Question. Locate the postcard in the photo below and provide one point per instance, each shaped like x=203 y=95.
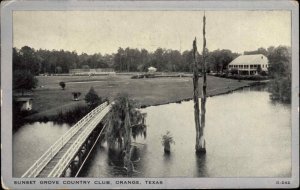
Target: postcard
x=149 y=94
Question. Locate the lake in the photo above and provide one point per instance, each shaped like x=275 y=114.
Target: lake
x=247 y=135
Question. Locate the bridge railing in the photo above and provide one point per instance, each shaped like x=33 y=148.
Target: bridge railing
x=36 y=168
x=71 y=152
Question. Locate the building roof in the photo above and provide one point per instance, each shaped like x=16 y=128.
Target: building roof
x=152 y=69
x=23 y=99
x=257 y=59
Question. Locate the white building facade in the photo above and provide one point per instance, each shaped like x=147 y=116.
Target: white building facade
x=152 y=69
x=25 y=103
x=249 y=64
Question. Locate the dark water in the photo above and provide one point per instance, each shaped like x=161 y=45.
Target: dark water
x=31 y=141
x=246 y=134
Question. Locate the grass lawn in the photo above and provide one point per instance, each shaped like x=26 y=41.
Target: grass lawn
x=49 y=98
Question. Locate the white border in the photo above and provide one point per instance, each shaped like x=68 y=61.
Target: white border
x=6 y=86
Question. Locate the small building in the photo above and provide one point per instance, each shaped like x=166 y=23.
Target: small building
x=25 y=103
x=152 y=69
x=249 y=64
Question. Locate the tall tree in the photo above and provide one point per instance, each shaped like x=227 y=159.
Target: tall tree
x=196 y=95
x=124 y=121
x=280 y=59
x=201 y=148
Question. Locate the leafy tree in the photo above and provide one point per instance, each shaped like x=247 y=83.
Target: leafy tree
x=219 y=59
x=62 y=85
x=92 y=98
x=23 y=80
x=124 y=121
x=29 y=60
x=116 y=121
x=280 y=71
x=280 y=61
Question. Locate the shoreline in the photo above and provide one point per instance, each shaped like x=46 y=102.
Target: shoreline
x=211 y=93
x=254 y=83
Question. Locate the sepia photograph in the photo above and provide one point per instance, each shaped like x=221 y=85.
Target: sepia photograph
x=132 y=95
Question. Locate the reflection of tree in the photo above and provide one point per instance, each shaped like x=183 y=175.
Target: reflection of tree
x=201 y=166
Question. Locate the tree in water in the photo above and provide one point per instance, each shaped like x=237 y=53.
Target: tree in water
x=200 y=142
x=201 y=148
x=124 y=121
x=196 y=95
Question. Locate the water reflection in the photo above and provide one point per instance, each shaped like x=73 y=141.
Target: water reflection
x=31 y=141
x=201 y=165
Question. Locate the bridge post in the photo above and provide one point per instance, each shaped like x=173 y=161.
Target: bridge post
x=80 y=156
x=73 y=168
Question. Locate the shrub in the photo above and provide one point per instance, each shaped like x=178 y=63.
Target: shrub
x=73 y=115
x=166 y=141
x=92 y=98
x=280 y=89
x=62 y=85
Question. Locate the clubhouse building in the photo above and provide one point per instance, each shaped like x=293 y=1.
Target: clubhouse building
x=249 y=64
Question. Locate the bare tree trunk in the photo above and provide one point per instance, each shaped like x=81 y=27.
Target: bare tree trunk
x=202 y=148
x=196 y=96
x=127 y=141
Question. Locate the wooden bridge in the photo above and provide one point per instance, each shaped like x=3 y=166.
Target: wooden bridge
x=72 y=149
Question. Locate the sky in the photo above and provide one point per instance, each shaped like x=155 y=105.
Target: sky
x=105 y=31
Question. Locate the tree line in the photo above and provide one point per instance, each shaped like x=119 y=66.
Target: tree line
x=124 y=60
x=135 y=60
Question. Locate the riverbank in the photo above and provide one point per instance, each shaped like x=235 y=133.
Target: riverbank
x=49 y=99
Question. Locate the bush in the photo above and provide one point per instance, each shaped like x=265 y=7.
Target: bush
x=147 y=75
x=166 y=141
x=280 y=89
x=137 y=76
x=234 y=71
x=62 y=85
x=243 y=77
x=92 y=98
